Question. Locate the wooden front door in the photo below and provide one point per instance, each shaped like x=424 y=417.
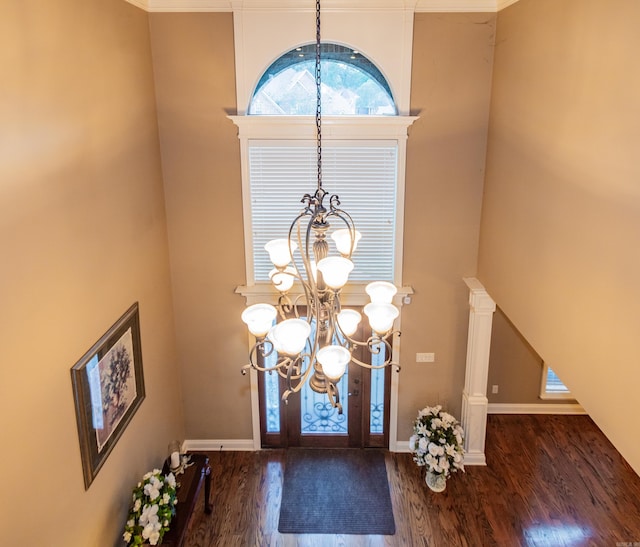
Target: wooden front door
x=309 y=420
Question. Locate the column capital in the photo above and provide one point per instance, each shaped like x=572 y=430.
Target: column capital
x=479 y=299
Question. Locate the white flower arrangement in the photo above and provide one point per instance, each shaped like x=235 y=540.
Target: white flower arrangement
x=437 y=442
x=154 y=505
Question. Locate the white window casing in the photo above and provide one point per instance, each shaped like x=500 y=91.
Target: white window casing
x=281 y=172
x=262 y=35
x=381 y=139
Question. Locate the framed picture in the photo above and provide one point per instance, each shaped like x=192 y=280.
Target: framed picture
x=108 y=389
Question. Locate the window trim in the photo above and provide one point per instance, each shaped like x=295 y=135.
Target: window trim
x=352 y=128
x=362 y=128
x=263 y=35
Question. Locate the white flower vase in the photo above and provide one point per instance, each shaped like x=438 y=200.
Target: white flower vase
x=436 y=481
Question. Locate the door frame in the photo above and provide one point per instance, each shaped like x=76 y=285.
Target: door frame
x=359 y=426
x=353 y=295
x=358 y=398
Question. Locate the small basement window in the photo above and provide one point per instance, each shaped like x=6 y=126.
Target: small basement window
x=551 y=386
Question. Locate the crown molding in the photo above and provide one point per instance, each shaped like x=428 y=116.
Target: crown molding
x=448 y=6
x=142 y=4
x=505 y=3
x=328 y=5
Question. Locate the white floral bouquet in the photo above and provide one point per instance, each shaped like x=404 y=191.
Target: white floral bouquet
x=437 y=441
x=154 y=505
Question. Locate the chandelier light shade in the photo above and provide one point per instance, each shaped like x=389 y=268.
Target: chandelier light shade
x=259 y=318
x=334 y=360
x=290 y=336
x=335 y=270
x=381 y=292
x=348 y=321
x=381 y=316
x=344 y=242
x=312 y=335
x=280 y=252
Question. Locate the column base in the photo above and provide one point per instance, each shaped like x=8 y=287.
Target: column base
x=474 y=422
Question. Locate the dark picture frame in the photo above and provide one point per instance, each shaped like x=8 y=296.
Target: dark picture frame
x=108 y=389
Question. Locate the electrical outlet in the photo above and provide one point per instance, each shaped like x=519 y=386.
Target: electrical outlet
x=494 y=389
x=425 y=357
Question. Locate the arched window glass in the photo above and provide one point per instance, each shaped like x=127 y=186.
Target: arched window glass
x=351 y=85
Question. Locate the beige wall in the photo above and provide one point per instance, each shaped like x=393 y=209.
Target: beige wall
x=451 y=76
x=514 y=366
x=561 y=217
x=195 y=86
x=193 y=61
x=83 y=236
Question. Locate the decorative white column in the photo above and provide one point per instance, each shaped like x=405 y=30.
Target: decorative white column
x=474 y=396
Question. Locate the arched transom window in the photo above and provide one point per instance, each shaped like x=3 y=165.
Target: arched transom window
x=351 y=84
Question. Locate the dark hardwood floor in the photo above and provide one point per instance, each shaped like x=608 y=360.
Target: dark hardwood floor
x=551 y=481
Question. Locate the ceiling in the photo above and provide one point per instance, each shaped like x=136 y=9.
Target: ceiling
x=327 y=5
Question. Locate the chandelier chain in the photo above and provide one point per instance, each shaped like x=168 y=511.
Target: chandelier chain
x=318 y=97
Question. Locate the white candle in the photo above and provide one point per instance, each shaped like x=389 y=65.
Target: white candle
x=175 y=460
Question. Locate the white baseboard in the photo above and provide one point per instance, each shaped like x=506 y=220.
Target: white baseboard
x=219 y=445
x=402 y=446
x=469 y=459
x=244 y=445
x=535 y=408
x=474 y=459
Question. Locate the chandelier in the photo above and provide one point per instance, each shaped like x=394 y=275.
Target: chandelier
x=313 y=337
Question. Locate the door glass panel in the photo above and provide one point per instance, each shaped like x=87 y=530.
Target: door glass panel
x=376 y=418
x=317 y=416
x=272 y=394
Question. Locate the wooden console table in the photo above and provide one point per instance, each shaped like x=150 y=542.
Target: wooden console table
x=190 y=485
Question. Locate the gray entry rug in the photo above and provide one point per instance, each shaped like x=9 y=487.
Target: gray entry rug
x=341 y=491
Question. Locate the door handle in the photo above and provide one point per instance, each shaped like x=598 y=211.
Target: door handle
x=354 y=393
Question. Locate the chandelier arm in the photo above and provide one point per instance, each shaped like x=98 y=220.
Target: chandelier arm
x=285 y=395
x=261 y=344
x=303 y=380
x=277 y=367
x=253 y=354
x=370 y=342
x=295 y=304
x=284 y=306
x=292 y=372
x=308 y=284
x=312 y=281
x=295 y=273
x=341 y=213
x=373 y=367
x=334 y=396
x=332 y=308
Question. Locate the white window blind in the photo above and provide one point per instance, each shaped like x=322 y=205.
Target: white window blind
x=554 y=384
x=362 y=175
x=551 y=387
